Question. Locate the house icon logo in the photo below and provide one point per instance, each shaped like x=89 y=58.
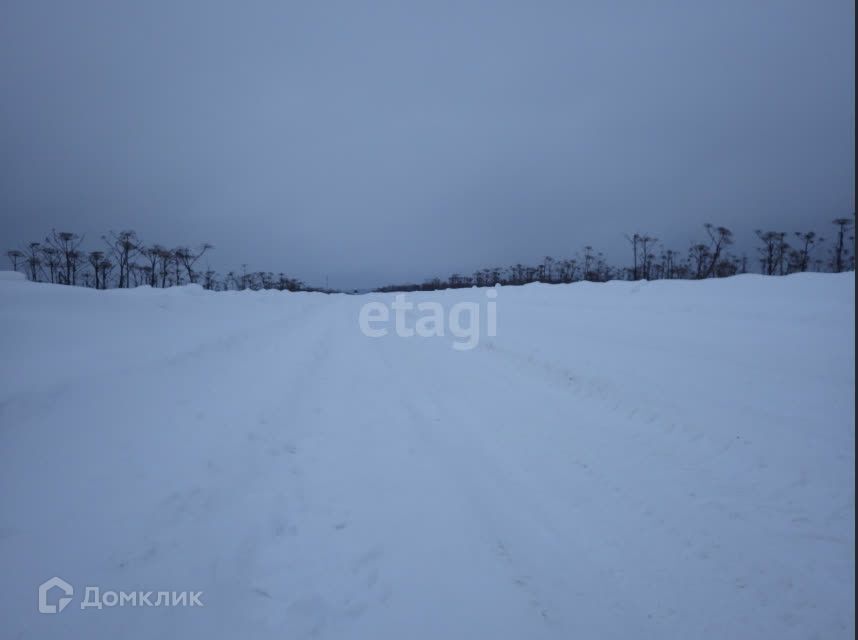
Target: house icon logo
x=44 y=590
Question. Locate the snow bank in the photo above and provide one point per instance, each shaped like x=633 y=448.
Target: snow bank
x=662 y=459
x=12 y=276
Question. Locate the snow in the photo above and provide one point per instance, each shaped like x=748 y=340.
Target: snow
x=14 y=276
x=629 y=459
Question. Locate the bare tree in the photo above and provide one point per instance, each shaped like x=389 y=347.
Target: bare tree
x=95 y=258
x=698 y=258
x=800 y=258
x=719 y=238
x=177 y=266
x=188 y=259
x=668 y=259
x=123 y=246
x=840 y=250
x=773 y=251
x=588 y=263
x=33 y=260
x=151 y=255
x=15 y=256
x=568 y=270
x=634 y=240
x=210 y=280
x=647 y=256
x=642 y=255
x=52 y=259
x=106 y=267
x=165 y=258
x=548 y=269
x=138 y=273
x=66 y=244
x=727 y=266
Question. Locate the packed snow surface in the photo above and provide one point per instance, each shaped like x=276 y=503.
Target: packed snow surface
x=622 y=460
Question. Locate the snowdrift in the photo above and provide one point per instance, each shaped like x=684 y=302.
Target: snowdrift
x=629 y=459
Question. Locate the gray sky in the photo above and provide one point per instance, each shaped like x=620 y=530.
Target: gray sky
x=380 y=142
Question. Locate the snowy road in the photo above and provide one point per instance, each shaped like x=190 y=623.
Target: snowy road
x=663 y=460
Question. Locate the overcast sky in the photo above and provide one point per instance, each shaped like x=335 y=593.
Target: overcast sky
x=373 y=142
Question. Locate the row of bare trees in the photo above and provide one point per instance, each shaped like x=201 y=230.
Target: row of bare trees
x=779 y=257
x=124 y=261
x=778 y=253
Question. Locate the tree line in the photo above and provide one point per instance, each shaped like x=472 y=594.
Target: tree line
x=778 y=253
x=125 y=261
